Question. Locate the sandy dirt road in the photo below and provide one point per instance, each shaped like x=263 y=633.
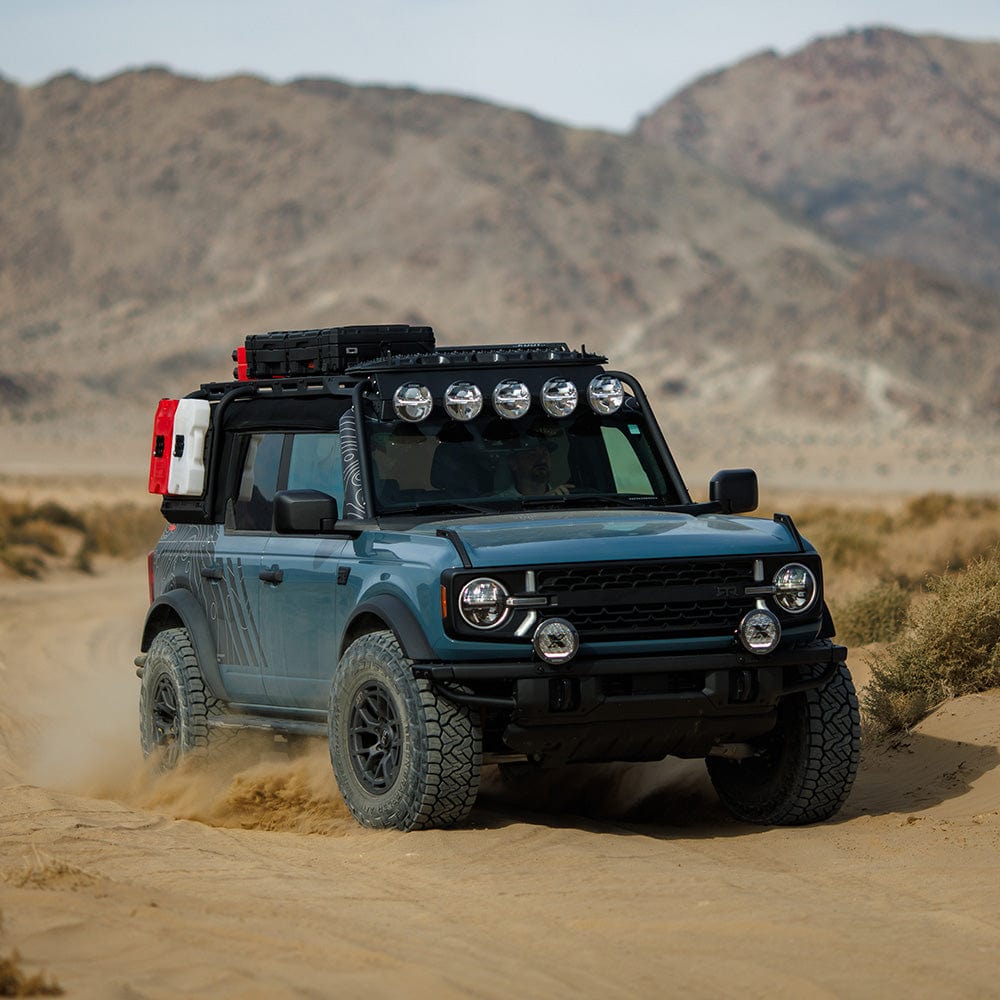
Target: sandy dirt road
x=251 y=880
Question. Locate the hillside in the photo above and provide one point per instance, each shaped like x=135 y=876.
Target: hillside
x=151 y=220
x=889 y=141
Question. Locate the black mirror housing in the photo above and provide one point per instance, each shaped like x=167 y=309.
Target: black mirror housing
x=304 y=512
x=734 y=490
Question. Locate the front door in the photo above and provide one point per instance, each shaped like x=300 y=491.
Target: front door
x=299 y=595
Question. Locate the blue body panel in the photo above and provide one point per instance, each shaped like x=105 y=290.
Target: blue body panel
x=279 y=644
x=557 y=537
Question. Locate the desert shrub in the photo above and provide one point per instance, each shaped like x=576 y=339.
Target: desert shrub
x=33 y=537
x=38 y=534
x=122 y=529
x=928 y=509
x=845 y=546
x=846 y=539
x=57 y=514
x=950 y=646
x=876 y=615
x=22 y=563
x=15 y=983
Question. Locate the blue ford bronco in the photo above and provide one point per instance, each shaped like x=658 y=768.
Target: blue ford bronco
x=437 y=558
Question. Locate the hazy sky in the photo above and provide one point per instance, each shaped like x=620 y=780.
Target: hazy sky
x=579 y=61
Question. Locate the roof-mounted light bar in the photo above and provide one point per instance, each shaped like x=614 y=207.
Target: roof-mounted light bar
x=511 y=399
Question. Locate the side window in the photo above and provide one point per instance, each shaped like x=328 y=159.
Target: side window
x=629 y=475
x=253 y=506
x=315 y=465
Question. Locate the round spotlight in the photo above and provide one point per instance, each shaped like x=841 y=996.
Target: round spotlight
x=511 y=399
x=463 y=401
x=482 y=603
x=412 y=402
x=605 y=394
x=556 y=641
x=559 y=397
x=794 y=588
x=760 y=631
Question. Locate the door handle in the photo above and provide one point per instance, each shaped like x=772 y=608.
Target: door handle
x=273 y=575
x=211 y=572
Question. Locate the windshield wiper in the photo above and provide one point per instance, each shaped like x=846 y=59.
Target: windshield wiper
x=603 y=500
x=438 y=507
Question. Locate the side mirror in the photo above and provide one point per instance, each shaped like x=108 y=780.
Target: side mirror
x=304 y=512
x=734 y=490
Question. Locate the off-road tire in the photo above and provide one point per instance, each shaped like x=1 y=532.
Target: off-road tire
x=174 y=703
x=806 y=765
x=415 y=759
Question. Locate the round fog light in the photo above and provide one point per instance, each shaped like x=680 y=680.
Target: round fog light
x=556 y=641
x=760 y=631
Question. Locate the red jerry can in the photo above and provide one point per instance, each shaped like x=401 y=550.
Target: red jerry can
x=163 y=439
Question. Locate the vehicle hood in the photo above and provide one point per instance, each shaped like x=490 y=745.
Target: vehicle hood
x=543 y=537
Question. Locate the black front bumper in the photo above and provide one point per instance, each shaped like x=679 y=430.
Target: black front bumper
x=635 y=707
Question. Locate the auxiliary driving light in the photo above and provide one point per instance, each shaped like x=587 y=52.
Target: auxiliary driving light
x=511 y=399
x=412 y=402
x=556 y=641
x=559 y=397
x=760 y=631
x=463 y=401
x=605 y=394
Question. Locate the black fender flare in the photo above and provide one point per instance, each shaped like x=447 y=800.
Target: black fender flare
x=402 y=622
x=182 y=604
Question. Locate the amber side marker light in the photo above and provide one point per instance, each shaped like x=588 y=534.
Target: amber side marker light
x=444 y=603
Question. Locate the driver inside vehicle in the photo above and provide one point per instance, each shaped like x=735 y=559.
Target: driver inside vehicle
x=531 y=468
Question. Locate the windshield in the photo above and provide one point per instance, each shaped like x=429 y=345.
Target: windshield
x=488 y=464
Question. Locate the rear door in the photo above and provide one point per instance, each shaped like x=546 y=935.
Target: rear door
x=232 y=579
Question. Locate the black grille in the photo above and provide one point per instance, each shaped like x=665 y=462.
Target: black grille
x=650 y=599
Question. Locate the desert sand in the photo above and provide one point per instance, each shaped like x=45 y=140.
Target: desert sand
x=250 y=879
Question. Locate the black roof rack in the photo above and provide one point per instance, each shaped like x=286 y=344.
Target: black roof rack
x=481 y=356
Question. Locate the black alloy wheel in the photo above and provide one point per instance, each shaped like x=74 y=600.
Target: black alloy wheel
x=375 y=738
x=166 y=719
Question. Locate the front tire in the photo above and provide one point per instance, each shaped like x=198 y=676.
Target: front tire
x=174 y=703
x=805 y=766
x=404 y=757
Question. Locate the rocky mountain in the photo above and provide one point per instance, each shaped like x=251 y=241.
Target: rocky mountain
x=888 y=141
x=149 y=221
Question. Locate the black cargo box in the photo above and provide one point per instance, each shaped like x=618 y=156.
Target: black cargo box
x=330 y=351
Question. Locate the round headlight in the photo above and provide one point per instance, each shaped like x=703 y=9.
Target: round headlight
x=412 y=402
x=463 y=400
x=605 y=394
x=511 y=399
x=559 y=397
x=794 y=588
x=556 y=641
x=760 y=631
x=482 y=603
